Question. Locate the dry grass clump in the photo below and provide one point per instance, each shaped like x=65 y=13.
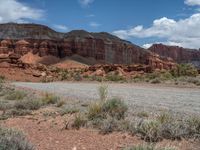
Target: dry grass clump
x=79 y=121
x=114 y=78
x=16 y=103
x=28 y=104
x=114 y=108
x=103 y=92
x=146 y=147
x=11 y=139
x=16 y=95
x=50 y=99
x=68 y=110
x=106 y=114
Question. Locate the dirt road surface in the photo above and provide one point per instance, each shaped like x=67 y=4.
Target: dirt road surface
x=147 y=97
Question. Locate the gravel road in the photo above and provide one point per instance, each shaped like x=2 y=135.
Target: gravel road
x=151 y=97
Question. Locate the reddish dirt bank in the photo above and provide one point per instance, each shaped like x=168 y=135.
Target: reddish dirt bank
x=47 y=133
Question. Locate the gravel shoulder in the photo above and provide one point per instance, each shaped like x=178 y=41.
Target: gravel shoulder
x=138 y=97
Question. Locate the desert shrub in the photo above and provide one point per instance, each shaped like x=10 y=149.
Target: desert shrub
x=146 y=147
x=139 y=78
x=77 y=77
x=158 y=76
x=107 y=114
x=193 y=80
x=115 y=108
x=173 y=131
x=143 y=114
x=46 y=79
x=68 y=110
x=1 y=88
x=16 y=95
x=96 y=78
x=64 y=75
x=164 y=117
x=28 y=104
x=4 y=105
x=149 y=130
x=166 y=126
x=156 y=81
x=60 y=103
x=114 y=77
x=184 y=70
x=194 y=127
x=11 y=139
x=103 y=92
x=2 y=78
x=79 y=121
x=166 y=75
x=16 y=112
x=95 y=110
x=49 y=99
x=153 y=75
x=108 y=125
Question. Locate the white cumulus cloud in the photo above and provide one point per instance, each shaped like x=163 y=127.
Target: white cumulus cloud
x=15 y=11
x=183 y=32
x=192 y=2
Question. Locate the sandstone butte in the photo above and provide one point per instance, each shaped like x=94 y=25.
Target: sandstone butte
x=17 y=40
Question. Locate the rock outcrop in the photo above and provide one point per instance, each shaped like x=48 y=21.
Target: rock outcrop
x=104 y=47
x=178 y=54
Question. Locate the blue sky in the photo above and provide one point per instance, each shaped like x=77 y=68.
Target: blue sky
x=143 y=22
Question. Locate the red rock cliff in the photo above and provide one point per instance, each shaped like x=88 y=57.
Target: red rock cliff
x=179 y=54
x=104 y=47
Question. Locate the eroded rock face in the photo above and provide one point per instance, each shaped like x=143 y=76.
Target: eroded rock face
x=179 y=54
x=104 y=47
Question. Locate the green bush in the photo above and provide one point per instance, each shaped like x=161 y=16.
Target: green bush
x=11 y=139
x=184 y=70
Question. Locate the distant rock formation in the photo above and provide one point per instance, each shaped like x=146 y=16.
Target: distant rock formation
x=178 y=54
x=104 y=47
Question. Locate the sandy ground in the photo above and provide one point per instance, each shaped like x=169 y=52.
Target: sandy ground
x=137 y=96
x=48 y=133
